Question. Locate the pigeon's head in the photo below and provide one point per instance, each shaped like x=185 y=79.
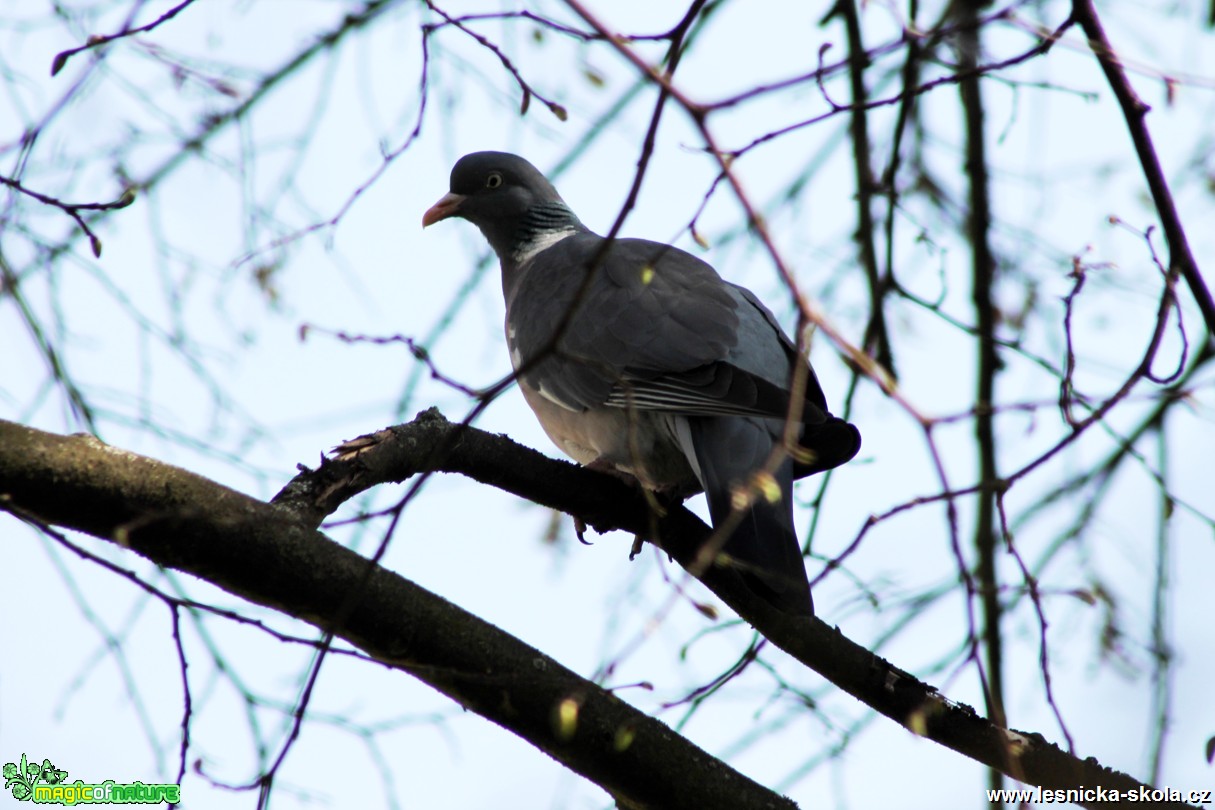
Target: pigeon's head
x=495 y=191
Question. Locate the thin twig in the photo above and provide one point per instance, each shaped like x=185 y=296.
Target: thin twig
x=97 y=40
x=1135 y=111
x=73 y=209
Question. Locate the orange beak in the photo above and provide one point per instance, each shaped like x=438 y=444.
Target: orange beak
x=447 y=206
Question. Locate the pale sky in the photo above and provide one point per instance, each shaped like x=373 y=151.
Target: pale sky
x=1061 y=161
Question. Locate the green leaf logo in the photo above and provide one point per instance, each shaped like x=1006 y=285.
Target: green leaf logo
x=21 y=779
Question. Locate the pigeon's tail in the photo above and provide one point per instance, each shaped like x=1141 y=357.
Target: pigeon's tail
x=830 y=444
x=763 y=545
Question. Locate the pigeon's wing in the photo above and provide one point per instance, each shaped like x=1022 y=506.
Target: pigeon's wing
x=636 y=324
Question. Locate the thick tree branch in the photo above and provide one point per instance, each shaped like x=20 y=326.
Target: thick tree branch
x=604 y=502
x=270 y=555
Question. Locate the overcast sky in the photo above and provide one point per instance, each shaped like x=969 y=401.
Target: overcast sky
x=212 y=375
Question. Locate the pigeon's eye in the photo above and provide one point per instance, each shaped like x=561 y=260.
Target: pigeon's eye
x=494 y=180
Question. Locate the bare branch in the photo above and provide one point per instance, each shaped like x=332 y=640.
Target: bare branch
x=607 y=503
x=73 y=209
x=1135 y=111
x=266 y=555
x=97 y=40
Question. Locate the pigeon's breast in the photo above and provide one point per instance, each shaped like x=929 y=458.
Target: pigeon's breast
x=641 y=444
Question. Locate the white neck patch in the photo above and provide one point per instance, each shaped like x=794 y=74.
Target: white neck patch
x=541 y=243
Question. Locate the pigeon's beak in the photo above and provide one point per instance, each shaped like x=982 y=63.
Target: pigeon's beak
x=447 y=206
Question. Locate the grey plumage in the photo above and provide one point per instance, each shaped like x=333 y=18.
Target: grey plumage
x=638 y=357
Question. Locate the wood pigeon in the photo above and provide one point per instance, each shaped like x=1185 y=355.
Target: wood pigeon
x=639 y=359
